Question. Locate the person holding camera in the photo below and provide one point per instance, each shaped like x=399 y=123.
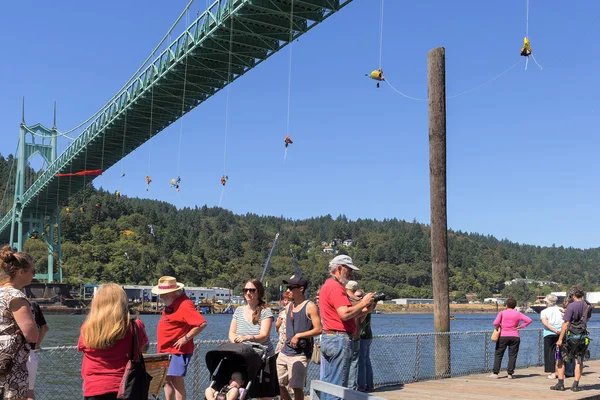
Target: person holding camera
x=351 y=288
x=339 y=322
x=302 y=324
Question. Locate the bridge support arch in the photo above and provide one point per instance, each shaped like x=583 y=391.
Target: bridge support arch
x=36 y=139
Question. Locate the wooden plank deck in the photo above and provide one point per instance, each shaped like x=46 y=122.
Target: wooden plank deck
x=530 y=383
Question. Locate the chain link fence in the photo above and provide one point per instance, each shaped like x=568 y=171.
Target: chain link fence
x=396 y=359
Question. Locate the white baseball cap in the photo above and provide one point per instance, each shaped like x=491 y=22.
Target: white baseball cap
x=343 y=260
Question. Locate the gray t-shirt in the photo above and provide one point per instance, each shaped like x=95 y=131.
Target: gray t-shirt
x=246 y=328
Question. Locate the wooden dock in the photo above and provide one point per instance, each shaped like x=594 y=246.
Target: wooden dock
x=530 y=383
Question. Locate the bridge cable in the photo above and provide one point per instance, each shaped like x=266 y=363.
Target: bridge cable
x=229 y=79
x=165 y=37
x=10 y=172
x=291 y=40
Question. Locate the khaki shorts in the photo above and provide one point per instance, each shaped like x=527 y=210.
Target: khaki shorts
x=291 y=370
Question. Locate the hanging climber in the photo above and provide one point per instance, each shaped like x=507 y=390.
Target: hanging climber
x=67 y=210
x=287 y=141
x=148 y=181
x=526 y=49
x=98 y=207
x=117 y=194
x=175 y=182
x=376 y=74
x=224 y=179
x=123 y=175
x=82 y=209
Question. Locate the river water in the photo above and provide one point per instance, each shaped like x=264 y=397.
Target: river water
x=64 y=329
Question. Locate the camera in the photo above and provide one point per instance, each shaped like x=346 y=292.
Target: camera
x=303 y=343
x=379 y=297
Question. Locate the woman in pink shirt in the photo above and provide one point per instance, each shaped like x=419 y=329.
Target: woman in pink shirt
x=508 y=320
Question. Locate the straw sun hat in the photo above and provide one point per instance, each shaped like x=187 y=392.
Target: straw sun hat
x=167 y=284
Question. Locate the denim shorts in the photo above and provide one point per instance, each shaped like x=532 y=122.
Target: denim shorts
x=179 y=364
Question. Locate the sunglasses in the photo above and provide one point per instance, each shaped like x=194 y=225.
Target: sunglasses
x=249 y=290
x=292 y=287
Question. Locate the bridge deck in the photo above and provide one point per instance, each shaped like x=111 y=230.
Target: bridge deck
x=530 y=383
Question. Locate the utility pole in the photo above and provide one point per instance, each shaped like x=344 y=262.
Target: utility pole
x=436 y=71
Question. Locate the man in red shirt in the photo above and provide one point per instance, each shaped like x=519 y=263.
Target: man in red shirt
x=338 y=316
x=179 y=323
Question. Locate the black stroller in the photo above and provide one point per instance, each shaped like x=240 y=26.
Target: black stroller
x=236 y=357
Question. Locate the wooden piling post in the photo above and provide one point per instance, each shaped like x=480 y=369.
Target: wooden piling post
x=436 y=71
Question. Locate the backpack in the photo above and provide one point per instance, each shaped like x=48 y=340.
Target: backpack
x=579 y=328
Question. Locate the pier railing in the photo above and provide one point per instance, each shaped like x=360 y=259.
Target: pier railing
x=396 y=359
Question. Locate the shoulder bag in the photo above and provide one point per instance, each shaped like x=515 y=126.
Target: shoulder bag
x=135 y=383
x=496 y=333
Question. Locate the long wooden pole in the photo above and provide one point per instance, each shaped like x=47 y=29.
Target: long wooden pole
x=436 y=70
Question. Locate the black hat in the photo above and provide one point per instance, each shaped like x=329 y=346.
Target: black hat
x=297 y=280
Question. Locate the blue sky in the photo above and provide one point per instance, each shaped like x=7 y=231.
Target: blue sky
x=522 y=150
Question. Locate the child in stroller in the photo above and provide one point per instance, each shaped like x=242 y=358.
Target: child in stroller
x=233 y=391
x=232 y=365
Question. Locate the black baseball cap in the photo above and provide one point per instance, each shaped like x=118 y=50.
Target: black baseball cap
x=297 y=280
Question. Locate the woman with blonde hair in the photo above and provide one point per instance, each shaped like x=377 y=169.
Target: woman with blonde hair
x=17 y=326
x=106 y=339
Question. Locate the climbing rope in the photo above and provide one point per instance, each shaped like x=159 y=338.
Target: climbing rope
x=150 y=133
x=402 y=94
x=289 y=97
x=485 y=83
x=526 y=18
x=229 y=79
x=123 y=145
x=381 y=35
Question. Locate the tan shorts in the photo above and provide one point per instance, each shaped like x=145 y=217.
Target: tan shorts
x=291 y=370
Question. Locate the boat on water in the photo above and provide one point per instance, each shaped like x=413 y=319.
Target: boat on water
x=540 y=303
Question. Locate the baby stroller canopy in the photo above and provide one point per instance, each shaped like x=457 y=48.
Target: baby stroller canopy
x=234 y=357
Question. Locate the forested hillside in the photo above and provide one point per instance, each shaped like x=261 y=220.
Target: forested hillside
x=214 y=247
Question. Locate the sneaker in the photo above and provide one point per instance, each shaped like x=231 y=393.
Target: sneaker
x=553 y=376
x=511 y=377
x=493 y=376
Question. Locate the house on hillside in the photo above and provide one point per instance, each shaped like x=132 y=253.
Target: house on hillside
x=348 y=243
x=328 y=250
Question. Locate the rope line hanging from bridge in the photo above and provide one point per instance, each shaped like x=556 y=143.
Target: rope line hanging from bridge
x=123 y=145
x=225 y=177
x=526 y=49
x=176 y=182
x=148 y=171
x=287 y=139
x=377 y=74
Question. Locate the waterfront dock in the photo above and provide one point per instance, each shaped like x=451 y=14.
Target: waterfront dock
x=530 y=383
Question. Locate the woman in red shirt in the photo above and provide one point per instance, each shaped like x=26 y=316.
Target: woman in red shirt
x=105 y=340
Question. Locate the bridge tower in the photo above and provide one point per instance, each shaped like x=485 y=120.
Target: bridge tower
x=36 y=139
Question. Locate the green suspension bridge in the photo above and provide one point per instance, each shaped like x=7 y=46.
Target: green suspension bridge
x=223 y=43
